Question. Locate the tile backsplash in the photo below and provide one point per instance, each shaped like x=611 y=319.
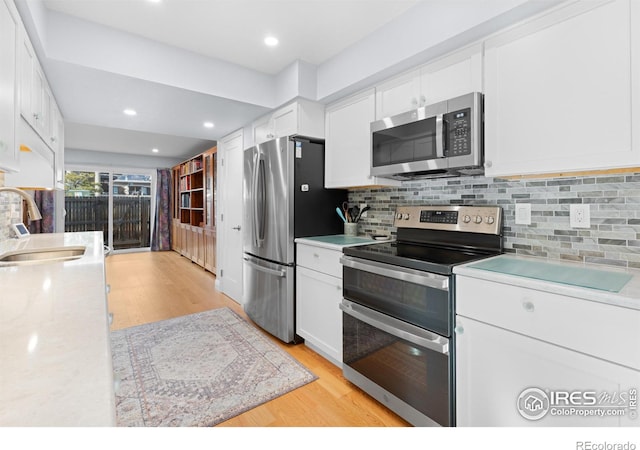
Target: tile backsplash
x=614 y=200
x=10 y=207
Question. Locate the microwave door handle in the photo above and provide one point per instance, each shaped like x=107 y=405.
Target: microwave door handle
x=440 y=136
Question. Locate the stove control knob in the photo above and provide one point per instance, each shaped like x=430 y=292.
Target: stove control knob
x=466 y=219
x=477 y=219
x=405 y=216
x=489 y=220
x=398 y=216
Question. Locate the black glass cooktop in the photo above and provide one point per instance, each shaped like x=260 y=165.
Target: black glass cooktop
x=427 y=258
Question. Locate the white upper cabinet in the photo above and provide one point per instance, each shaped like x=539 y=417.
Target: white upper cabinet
x=398 y=95
x=348 y=142
x=57 y=144
x=561 y=90
x=29 y=116
x=302 y=117
x=9 y=38
x=456 y=74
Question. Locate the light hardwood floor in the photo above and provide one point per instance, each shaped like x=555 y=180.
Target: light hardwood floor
x=152 y=286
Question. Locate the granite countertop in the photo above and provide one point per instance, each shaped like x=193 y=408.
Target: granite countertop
x=55 y=350
x=336 y=241
x=610 y=285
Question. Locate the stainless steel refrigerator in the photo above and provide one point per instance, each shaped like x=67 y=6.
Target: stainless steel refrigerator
x=284 y=198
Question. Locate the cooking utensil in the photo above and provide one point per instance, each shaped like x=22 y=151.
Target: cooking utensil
x=354 y=212
x=360 y=213
x=345 y=211
x=339 y=211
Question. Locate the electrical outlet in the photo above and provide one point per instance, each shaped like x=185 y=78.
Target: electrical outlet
x=580 y=216
x=523 y=213
x=363 y=206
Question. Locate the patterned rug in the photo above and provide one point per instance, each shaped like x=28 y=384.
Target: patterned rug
x=198 y=370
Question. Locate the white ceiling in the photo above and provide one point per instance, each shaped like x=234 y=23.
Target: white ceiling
x=233 y=30
x=182 y=62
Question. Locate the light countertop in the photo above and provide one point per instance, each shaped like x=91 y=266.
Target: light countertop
x=336 y=241
x=628 y=296
x=55 y=349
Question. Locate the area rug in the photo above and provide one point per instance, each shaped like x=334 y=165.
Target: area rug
x=198 y=370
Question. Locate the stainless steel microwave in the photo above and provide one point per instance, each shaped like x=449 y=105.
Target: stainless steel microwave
x=438 y=140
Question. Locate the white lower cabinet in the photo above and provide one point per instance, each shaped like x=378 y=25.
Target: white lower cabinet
x=318 y=296
x=495 y=366
x=531 y=358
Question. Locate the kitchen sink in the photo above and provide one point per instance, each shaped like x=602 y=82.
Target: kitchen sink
x=41 y=256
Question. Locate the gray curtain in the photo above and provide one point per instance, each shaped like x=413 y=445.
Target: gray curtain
x=161 y=237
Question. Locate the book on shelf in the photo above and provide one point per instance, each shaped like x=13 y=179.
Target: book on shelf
x=191 y=166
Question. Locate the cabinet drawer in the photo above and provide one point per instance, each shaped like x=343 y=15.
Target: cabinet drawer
x=605 y=331
x=320 y=259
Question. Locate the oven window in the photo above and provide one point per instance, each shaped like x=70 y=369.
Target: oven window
x=416 y=375
x=415 y=141
x=419 y=305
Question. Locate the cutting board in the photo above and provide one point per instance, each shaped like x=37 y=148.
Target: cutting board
x=557 y=273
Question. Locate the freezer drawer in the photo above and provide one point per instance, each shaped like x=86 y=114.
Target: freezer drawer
x=269 y=296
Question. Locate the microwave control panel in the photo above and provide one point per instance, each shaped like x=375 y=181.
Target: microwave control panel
x=459 y=133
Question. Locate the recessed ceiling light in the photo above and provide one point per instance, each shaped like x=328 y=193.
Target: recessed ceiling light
x=208 y=124
x=155 y=150
x=130 y=112
x=154 y=1
x=271 y=41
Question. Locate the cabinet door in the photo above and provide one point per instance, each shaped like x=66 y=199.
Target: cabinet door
x=197 y=253
x=285 y=121
x=175 y=235
x=348 y=143
x=38 y=98
x=263 y=130
x=9 y=156
x=495 y=366
x=57 y=142
x=210 y=250
x=185 y=231
x=318 y=316
x=560 y=92
x=27 y=62
x=452 y=76
x=398 y=95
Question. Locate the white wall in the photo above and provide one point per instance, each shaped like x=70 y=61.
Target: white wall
x=92 y=158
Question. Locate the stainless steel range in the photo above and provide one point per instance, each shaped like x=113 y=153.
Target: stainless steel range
x=399 y=307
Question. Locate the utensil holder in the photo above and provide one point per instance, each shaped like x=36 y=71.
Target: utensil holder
x=351 y=228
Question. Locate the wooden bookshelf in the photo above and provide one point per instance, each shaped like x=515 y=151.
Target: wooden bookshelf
x=194 y=200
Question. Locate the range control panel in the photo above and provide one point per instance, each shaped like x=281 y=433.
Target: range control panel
x=475 y=219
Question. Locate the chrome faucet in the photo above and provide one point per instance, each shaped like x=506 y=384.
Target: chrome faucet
x=32 y=208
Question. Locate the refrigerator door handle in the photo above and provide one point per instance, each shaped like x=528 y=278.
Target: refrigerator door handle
x=261 y=209
x=254 y=199
x=276 y=273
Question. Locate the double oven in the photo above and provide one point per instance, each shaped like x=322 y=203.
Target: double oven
x=399 y=307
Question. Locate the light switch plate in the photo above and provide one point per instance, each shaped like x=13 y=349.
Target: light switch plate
x=523 y=213
x=580 y=215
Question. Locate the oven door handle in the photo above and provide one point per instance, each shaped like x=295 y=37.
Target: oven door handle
x=398 y=273
x=397 y=328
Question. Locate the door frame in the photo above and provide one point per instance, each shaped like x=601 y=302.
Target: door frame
x=229 y=185
x=123 y=170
